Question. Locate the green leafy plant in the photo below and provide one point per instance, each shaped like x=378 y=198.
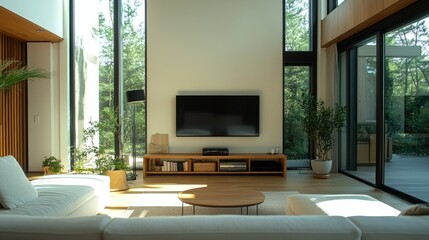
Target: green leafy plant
x=12 y=73
x=54 y=165
x=320 y=122
x=88 y=151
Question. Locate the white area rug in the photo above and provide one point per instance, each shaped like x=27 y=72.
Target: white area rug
x=168 y=204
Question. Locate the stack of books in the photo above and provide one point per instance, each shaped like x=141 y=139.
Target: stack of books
x=174 y=166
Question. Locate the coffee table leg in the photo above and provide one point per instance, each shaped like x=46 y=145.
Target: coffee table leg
x=193 y=209
x=182 y=208
x=257 y=210
x=247 y=210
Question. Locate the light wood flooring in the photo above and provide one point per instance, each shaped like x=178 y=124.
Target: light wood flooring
x=301 y=181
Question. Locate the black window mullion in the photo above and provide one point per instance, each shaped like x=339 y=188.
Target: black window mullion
x=332 y=4
x=379 y=176
x=352 y=57
x=117 y=65
x=72 y=85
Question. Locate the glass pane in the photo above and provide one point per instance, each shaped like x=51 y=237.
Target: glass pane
x=93 y=67
x=297 y=25
x=407 y=109
x=104 y=36
x=363 y=68
x=296 y=84
x=133 y=75
x=366 y=111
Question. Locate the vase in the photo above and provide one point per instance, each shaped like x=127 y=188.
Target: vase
x=118 y=180
x=321 y=168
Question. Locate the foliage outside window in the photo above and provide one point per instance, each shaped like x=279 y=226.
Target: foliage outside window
x=407 y=87
x=296 y=85
x=297 y=25
x=96 y=84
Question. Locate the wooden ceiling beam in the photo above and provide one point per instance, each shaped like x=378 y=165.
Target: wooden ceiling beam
x=22 y=29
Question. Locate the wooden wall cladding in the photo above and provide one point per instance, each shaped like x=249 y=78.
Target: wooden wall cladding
x=13 y=106
x=352 y=16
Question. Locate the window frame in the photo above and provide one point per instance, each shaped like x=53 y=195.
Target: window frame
x=303 y=58
x=118 y=64
x=407 y=15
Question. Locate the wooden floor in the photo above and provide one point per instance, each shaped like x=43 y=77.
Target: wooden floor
x=302 y=182
x=408 y=174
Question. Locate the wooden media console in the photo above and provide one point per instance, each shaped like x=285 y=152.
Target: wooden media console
x=188 y=163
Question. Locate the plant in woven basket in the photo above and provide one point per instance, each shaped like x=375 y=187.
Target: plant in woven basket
x=52 y=165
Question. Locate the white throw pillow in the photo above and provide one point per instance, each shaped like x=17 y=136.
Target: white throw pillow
x=15 y=188
x=416 y=210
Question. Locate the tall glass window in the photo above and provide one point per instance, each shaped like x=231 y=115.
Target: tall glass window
x=362 y=81
x=297 y=25
x=299 y=76
x=407 y=108
x=296 y=84
x=102 y=74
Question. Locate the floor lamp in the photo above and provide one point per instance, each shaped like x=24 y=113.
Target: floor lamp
x=134 y=97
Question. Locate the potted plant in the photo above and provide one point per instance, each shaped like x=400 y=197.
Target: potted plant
x=320 y=122
x=88 y=156
x=51 y=165
x=12 y=73
x=117 y=173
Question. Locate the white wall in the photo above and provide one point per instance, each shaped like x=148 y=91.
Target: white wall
x=45 y=13
x=48 y=105
x=215 y=46
x=42 y=105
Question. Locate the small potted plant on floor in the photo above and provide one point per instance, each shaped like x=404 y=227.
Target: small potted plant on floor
x=319 y=123
x=117 y=173
x=51 y=165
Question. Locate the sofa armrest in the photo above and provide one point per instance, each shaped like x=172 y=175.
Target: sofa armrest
x=50 y=228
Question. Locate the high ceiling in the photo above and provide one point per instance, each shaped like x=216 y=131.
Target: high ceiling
x=22 y=29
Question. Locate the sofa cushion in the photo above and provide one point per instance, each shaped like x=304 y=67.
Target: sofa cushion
x=100 y=184
x=54 y=201
x=392 y=228
x=337 y=205
x=232 y=227
x=52 y=228
x=416 y=210
x=15 y=188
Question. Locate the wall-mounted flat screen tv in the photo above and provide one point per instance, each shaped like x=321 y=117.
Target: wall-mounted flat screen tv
x=217 y=115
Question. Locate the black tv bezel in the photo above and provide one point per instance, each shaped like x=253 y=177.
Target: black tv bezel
x=257 y=134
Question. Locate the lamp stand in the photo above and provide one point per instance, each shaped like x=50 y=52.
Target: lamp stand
x=134 y=176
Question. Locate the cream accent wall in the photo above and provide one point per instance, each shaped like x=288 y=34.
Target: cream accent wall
x=43 y=95
x=48 y=105
x=215 y=47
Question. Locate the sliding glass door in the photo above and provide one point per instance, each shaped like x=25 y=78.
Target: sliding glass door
x=361 y=102
x=407 y=108
x=385 y=84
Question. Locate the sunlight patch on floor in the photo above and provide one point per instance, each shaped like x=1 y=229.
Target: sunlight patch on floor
x=165 y=187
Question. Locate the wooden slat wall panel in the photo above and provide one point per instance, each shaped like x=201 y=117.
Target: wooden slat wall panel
x=13 y=119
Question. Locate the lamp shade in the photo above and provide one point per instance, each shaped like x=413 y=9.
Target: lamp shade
x=135 y=96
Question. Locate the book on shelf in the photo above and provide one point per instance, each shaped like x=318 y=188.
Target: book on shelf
x=174 y=166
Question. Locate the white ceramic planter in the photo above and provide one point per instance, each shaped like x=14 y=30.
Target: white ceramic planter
x=321 y=167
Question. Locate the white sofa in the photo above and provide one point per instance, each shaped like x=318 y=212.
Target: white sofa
x=60 y=207
x=53 y=195
x=214 y=227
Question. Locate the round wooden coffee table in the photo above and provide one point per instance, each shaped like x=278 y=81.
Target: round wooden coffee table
x=221 y=197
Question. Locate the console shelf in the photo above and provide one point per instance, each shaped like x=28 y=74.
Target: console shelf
x=189 y=163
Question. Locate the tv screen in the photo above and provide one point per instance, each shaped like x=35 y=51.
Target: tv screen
x=217 y=116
